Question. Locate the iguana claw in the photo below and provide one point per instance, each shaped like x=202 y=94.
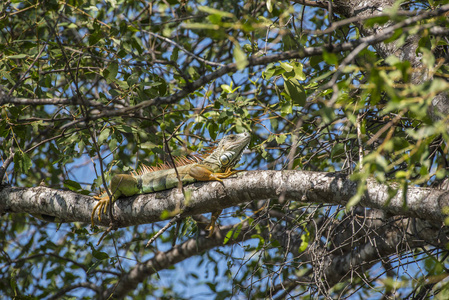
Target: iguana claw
x=213 y=221
x=103 y=202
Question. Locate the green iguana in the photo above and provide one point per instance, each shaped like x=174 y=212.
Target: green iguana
x=216 y=166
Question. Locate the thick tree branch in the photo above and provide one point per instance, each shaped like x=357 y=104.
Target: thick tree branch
x=308 y=187
x=46 y=101
x=321 y=4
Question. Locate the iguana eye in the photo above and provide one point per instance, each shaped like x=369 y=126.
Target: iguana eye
x=225 y=159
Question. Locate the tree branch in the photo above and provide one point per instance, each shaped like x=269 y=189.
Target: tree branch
x=308 y=187
x=163 y=260
x=320 y=4
x=330 y=266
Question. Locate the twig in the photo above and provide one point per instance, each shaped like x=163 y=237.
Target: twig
x=343 y=64
x=163 y=229
x=5 y=165
x=359 y=139
x=330 y=12
x=211 y=63
x=383 y=129
x=26 y=72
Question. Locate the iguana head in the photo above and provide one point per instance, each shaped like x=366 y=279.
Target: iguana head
x=229 y=150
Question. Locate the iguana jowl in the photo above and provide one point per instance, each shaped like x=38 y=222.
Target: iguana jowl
x=216 y=166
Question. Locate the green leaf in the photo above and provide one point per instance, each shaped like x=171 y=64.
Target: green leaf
x=126 y=128
x=133 y=79
x=228 y=236
x=17 y=56
x=13 y=280
x=315 y=60
x=94 y=37
x=330 y=58
x=281 y=138
x=271 y=71
x=377 y=21
x=304 y=242
x=427 y=57
x=22 y=162
x=226 y=88
x=72 y=185
x=240 y=58
x=215 y=19
x=269 y=6
x=287 y=108
x=328 y=114
x=213 y=130
x=286 y=66
x=99 y=254
x=214 y=11
x=122 y=84
x=396 y=34
x=104 y=135
x=201 y=26
x=299 y=74
x=111 y=71
x=187 y=196
x=113 y=143
x=337 y=150
x=234 y=233
x=148 y=146
x=296 y=92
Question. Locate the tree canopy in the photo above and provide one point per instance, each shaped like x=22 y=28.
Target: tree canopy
x=344 y=191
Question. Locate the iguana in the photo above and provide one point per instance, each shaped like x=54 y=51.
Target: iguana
x=216 y=166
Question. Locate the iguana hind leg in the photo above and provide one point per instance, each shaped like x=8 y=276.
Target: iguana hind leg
x=213 y=221
x=121 y=184
x=103 y=202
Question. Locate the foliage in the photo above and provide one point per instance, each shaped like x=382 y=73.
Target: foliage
x=100 y=87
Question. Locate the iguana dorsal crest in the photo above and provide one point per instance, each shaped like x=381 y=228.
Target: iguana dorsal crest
x=178 y=160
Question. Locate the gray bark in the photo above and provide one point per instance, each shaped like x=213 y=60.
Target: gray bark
x=306 y=187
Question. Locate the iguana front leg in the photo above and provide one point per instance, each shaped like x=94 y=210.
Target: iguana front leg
x=203 y=174
x=121 y=184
